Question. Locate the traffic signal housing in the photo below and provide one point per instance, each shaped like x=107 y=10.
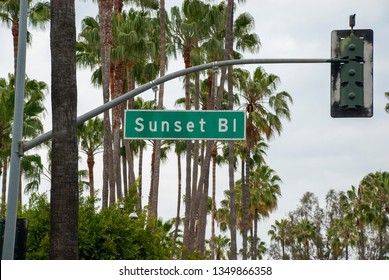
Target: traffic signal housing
x=352 y=77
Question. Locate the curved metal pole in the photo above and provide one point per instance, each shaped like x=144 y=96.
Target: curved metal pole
x=97 y=111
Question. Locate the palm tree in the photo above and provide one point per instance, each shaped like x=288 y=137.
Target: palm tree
x=265 y=108
x=34 y=110
x=187 y=28
x=304 y=232
x=6 y=116
x=238 y=31
x=157 y=144
x=134 y=46
x=264 y=190
x=32 y=125
x=278 y=233
x=64 y=172
x=221 y=244
x=91 y=54
x=90 y=136
x=376 y=197
x=38 y=16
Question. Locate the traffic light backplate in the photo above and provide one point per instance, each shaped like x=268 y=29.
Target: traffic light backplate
x=352 y=79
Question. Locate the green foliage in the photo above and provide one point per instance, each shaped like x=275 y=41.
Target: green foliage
x=109 y=234
x=38 y=215
x=113 y=235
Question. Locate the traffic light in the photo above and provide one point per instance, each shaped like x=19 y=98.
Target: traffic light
x=352 y=78
x=20 y=238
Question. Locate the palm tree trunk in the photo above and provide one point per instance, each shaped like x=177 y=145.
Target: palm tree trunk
x=255 y=238
x=197 y=214
x=361 y=242
x=232 y=203
x=105 y=21
x=188 y=200
x=15 y=36
x=118 y=91
x=91 y=163
x=140 y=174
x=203 y=210
x=64 y=185
x=214 y=154
x=231 y=163
x=227 y=54
x=179 y=186
x=198 y=202
x=124 y=170
x=245 y=204
x=154 y=188
x=188 y=226
x=157 y=144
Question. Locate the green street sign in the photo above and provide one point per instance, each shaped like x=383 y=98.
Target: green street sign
x=189 y=125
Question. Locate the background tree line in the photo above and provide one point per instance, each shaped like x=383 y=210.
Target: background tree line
x=352 y=225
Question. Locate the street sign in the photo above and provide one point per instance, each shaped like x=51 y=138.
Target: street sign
x=180 y=125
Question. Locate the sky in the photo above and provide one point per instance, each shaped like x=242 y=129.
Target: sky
x=315 y=152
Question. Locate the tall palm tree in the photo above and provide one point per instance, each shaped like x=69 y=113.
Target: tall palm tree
x=64 y=172
x=38 y=16
x=265 y=107
x=228 y=51
x=157 y=144
x=237 y=32
x=187 y=29
x=376 y=197
x=32 y=125
x=90 y=136
x=264 y=191
x=134 y=46
x=105 y=36
x=91 y=54
x=278 y=233
x=6 y=116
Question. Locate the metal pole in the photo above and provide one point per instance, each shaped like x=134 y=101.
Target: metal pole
x=97 y=111
x=17 y=134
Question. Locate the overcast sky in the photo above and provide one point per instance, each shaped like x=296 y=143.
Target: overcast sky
x=314 y=152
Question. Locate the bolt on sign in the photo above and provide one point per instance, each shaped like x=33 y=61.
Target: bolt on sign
x=184 y=125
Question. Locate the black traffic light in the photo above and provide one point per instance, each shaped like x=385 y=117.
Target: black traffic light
x=352 y=79
x=20 y=238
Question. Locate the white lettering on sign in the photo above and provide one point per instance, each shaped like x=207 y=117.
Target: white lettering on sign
x=202 y=122
x=165 y=125
x=138 y=122
x=190 y=126
x=223 y=125
x=178 y=128
x=153 y=129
